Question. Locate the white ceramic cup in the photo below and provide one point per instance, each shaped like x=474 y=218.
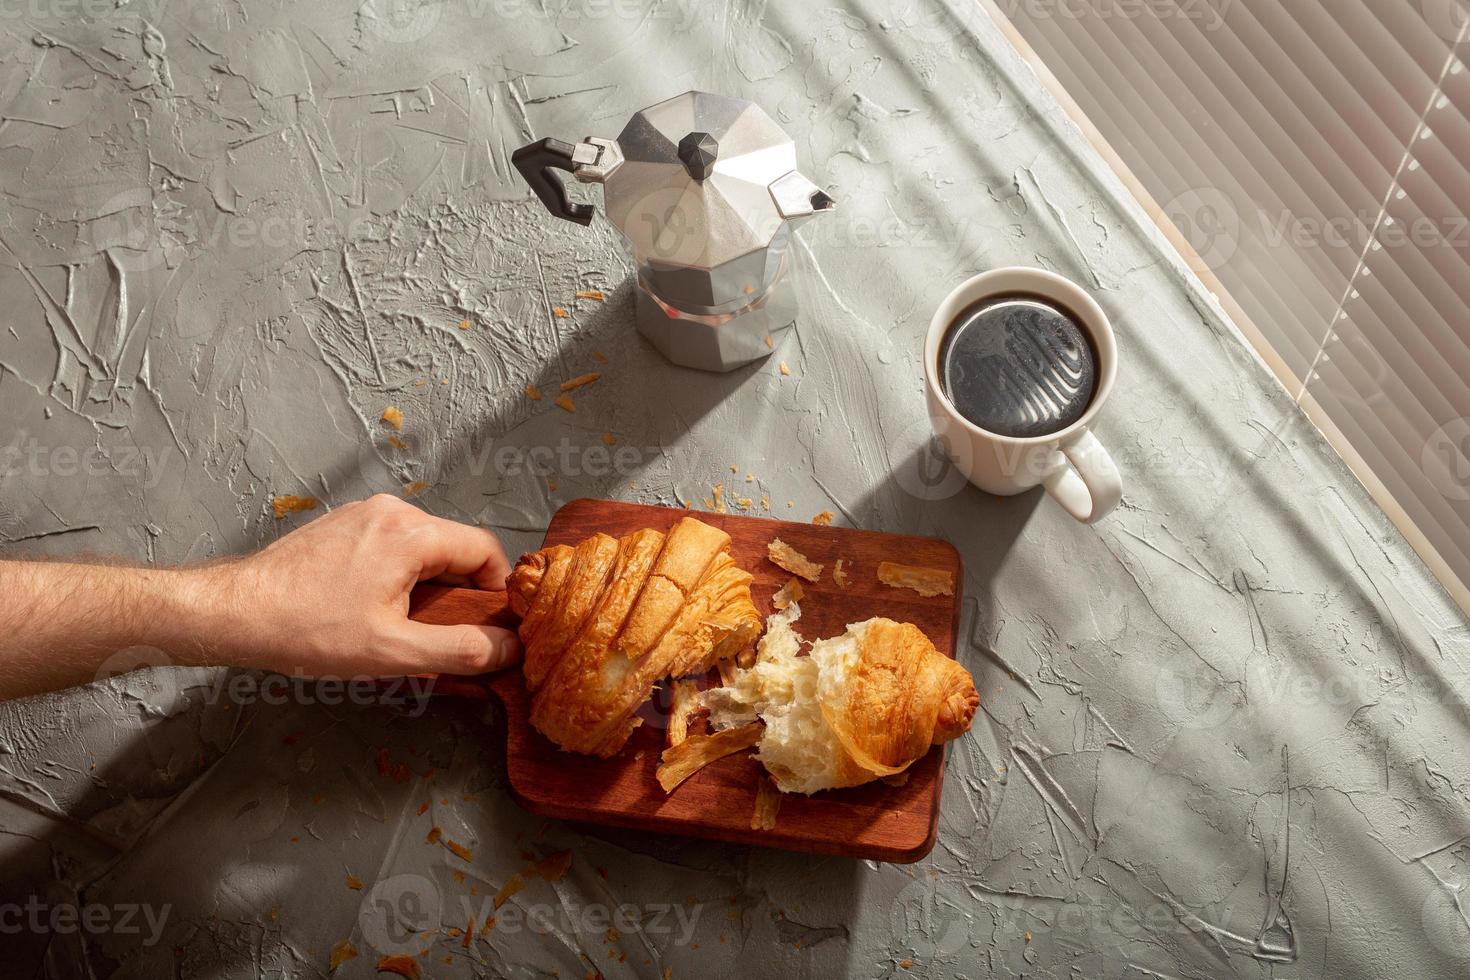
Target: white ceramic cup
x=1071 y=463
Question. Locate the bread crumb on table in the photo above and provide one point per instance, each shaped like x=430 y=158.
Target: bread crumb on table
x=823 y=519
x=767 y=804
x=591 y=294
x=292 y=504
x=565 y=403
x=342 y=951
x=679 y=762
x=393 y=416
x=785 y=369
x=579 y=381
x=553 y=867
x=513 y=884
x=927 y=582
x=784 y=556
x=839 y=573
x=787 y=594
x=404 y=966
x=533 y=393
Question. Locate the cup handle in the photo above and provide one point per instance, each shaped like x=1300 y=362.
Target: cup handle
x=1086 y=483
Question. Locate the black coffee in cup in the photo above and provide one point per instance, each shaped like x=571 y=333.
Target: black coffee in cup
x=1018 y=365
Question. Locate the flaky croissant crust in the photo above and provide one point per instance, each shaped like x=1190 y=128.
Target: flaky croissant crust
x=903 y=697
x=605 y=621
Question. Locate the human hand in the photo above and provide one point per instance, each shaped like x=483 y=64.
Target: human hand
x=331 y=597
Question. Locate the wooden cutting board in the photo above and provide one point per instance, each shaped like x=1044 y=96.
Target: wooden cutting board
x=879 y=821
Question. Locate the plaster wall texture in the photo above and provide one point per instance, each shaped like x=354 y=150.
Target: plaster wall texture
x=1222 y=732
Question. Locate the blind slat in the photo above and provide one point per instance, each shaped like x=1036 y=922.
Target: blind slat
x=1336 y=136
x=1306 y=307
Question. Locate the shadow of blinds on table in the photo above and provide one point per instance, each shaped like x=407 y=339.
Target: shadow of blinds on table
x=1315 y=155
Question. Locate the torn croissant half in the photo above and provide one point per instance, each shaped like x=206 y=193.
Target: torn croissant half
x=859 y=707
x=603 y=622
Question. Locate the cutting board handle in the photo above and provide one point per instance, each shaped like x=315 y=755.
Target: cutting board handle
x=448 y=605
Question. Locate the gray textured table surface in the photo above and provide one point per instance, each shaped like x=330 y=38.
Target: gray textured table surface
x=1222 y=734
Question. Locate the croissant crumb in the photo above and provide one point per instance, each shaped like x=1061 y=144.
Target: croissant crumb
x=342 y=951
x=580 y=380
x=787 y=594
x=784 y=556
x=697 y=751
x=554 y=866
x=512 y=885
x=928 y=582
x=681 y=712
x=404 y=966
x=767 y=805
x=291 y=504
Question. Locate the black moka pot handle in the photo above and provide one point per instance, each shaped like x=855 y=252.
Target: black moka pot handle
x=536 y=162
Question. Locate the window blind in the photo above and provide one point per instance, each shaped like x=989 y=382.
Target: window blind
x=1312 y=159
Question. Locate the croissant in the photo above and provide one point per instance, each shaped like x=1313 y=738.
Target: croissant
x=858 y=707
x=603 y=622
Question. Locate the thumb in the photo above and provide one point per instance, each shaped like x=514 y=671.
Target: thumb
x=458 y=649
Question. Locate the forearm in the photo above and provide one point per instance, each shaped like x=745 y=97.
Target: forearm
x=330 y=599
x=61 y=623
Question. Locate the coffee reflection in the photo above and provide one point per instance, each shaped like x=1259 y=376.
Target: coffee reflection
x=1018 y=366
